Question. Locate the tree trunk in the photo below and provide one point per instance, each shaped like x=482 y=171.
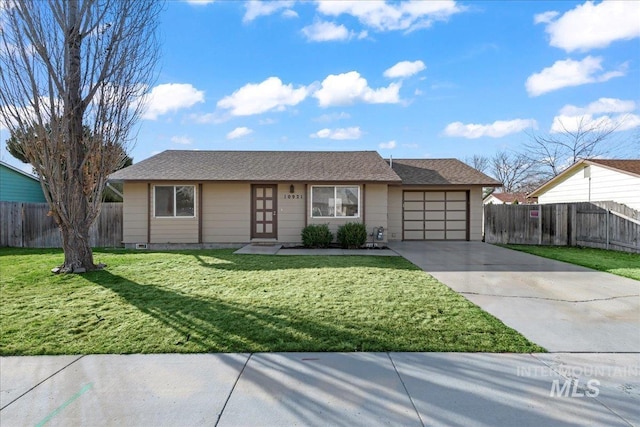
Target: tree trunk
x=78 y=256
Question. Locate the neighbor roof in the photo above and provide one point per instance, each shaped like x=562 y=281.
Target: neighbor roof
x=511 y=197
x=440 y=172
x=626 y=166
x=8 y=166
x=308 y=166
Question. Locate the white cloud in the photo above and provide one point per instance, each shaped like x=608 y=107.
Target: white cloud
x=545 y=18
x=567 y=73
x=171 y=97
x=267 y=121
x=605 y=113
x=199 y=2
x=347 y=88
x=183 y=140
x=387 y=145
x=497 y=129
x=339 y=134
x=290 y=13
x=390 y=16
x=602 y=105
x=270 y=95
x=239 y=132
x=325 y=118
x=257 y=8
x=322 y=31
x=404 y=69
x=590 y=25
x=619 y=122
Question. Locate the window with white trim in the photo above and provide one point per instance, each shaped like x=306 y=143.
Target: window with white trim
x=339 y=201
x=172 y=201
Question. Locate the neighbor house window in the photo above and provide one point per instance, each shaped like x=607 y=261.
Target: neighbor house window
x=175 y=201
x=335 y=201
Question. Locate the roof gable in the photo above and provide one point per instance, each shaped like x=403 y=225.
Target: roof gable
x=440 y=172
x=626 y=166
x=21 y=172
x=308 y=166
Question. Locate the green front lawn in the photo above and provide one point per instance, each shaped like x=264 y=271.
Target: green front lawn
x=214 y=301
x=620 y=263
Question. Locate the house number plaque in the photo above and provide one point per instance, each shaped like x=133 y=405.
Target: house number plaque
x=292 y=196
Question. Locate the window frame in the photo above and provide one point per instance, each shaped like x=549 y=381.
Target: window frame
x=174 y=216
x=335 y=189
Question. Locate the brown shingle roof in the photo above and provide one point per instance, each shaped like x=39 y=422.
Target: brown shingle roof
x=630 y=165
x=440 y=172
x=308 y=166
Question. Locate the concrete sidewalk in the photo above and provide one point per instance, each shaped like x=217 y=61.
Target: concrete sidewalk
x=313 y=389
x=560 y=306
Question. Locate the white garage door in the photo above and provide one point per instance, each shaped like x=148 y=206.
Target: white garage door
x=435 y=215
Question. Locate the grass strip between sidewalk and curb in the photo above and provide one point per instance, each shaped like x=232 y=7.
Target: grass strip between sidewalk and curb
x=215 y=301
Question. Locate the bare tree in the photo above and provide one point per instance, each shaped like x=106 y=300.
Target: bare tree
x=479 y=162
x=556 y=151
x=516 y=171
x=68 y=65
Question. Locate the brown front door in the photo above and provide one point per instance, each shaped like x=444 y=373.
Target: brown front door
x=264 y=206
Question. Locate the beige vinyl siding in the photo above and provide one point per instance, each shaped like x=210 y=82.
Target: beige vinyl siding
x=226 y=213
x=174 y=229
x=394 y=200
x=291 y=212
x=476 y=210
x=606 y=184
x=134 y=213
x=395 y=209
x=376 y=208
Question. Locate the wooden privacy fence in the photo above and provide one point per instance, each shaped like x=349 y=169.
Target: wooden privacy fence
x=606 y=225
x=26 y=225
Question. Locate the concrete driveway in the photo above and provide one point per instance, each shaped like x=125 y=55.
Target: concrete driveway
x=560 y=306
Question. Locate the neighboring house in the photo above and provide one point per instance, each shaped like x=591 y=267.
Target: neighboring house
x=19 y=186
x=594 y=180
x=509 y=199
x=231 y=197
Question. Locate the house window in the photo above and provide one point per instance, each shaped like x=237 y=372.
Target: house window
x=175 y=201
x=335 y=201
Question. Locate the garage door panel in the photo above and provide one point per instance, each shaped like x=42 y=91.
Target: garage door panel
x=457 y=215
x=414 y=225
x=434 y=225
x=434 y=206
x=457 y=206
x=434 y=195
x=434 y=235
x=414 y=215
x=413 y=206
x=414 y=195
x=435 y=215
x=457 y=195
x=413 y=235
x=456 y=225
x=456 y=235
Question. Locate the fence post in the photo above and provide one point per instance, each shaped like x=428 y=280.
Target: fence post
x=539 y=224
x=606 y=222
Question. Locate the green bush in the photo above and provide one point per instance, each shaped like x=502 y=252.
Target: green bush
x=316 y=236
x=352 y=235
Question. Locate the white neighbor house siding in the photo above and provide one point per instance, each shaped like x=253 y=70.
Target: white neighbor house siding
x=604 y=184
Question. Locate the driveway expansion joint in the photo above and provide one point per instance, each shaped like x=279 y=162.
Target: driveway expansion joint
x=43 y=381
x=235 y=383
x=405 y=389
x=550 y=299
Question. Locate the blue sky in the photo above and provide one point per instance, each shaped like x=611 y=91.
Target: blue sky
x=408 y=79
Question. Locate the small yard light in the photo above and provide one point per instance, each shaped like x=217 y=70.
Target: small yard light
x=292 y=189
